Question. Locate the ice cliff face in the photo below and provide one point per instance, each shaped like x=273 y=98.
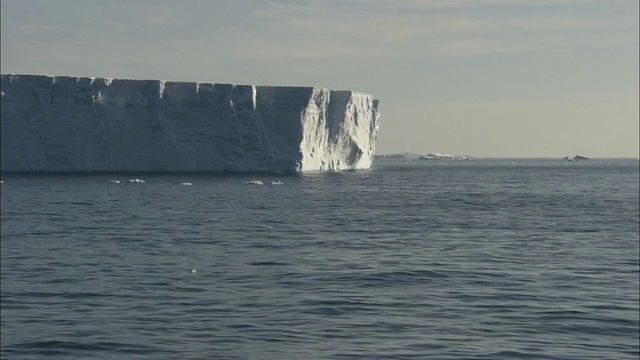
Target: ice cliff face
x=71 y=124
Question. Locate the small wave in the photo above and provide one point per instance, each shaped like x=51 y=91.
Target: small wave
x=55 y=347
x=401 y=277
x=186 y=184
x=85 y=203
x=113 y=182
x=268 y=263
x=139 y=181
x=512 y=354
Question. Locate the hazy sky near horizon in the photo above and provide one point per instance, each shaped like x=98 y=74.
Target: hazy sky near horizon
x=521 y=78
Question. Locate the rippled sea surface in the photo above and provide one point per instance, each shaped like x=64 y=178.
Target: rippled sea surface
x=413 y=259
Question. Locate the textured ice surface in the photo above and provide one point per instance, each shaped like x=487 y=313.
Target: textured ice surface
x=72 y=124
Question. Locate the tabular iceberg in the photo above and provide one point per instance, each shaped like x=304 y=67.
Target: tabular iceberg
x=77 y=124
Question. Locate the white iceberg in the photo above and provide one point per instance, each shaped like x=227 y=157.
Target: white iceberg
x=73 y=124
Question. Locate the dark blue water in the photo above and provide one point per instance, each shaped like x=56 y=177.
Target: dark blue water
x=480 y=259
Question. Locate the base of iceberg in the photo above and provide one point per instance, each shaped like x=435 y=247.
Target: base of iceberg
x=76 y=124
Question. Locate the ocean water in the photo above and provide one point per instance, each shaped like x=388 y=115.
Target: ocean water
x=412 y=259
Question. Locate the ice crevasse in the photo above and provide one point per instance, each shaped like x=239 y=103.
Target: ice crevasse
x=81 y=124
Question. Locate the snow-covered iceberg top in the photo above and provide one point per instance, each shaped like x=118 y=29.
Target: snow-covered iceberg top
x=76 y=124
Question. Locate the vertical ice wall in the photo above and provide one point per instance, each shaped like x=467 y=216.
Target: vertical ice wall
x=71 y=124
x=340 y=130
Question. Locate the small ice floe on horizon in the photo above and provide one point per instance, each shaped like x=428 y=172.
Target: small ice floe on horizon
x=277 y=182
x=576 y=158
x=186 y=184
x=113 y=182
x=140 y=181
x=254 y=182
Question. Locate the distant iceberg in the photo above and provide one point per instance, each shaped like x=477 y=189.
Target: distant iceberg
x=576 y=158
x=74 y=124
x=438 y=156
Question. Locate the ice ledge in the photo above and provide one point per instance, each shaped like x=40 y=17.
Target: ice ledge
x=79 y=124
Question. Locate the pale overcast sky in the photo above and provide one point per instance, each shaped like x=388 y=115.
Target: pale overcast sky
x=521 y=78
